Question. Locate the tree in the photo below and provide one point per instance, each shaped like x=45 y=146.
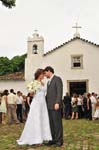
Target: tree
x=16 y=64
x=5 y=66
x=8 y=3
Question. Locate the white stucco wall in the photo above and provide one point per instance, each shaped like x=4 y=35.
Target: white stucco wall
x=32 y=63
x=60 y=59
x=17 y=85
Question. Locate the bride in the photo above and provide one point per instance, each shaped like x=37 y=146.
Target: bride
x=37 y=128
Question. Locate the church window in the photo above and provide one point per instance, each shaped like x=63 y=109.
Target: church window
x=77 y=61
x=35 y=49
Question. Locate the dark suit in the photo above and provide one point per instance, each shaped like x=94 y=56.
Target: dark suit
x=67 y=103
x=54 y=95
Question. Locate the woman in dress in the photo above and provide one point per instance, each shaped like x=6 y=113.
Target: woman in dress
x=3 y=106
x=37 y=128
x=96 y=115
x=74 y=107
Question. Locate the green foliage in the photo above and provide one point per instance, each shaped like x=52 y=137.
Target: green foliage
x=16 y=64
x=8 y=3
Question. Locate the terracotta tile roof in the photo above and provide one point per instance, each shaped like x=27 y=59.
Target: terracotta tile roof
x=13 y=76
x=67 y=42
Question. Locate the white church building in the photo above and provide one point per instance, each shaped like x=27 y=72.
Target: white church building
x=75 y=61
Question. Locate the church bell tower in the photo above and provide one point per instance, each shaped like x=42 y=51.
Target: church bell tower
x=35 y=51
x=35 y=44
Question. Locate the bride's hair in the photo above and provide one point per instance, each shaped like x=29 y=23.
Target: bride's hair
x=38 y=73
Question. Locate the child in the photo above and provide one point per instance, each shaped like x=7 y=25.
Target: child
x=96 y=115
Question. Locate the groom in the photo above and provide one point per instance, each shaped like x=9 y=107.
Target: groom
x=54 y=103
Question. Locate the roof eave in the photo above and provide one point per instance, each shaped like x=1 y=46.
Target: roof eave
x=69 y=42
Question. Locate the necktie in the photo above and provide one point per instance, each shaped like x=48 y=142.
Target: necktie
x=48 y=83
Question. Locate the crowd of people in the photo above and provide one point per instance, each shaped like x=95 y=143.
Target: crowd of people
x=16 y=106
x=43 y=109
x=81 y=106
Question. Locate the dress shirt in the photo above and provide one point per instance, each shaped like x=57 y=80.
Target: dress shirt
x=11 y=98
x=49 y=81
x=19 y=99
x=93 y=100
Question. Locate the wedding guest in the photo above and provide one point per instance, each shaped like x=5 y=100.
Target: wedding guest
x=0 y=117
x=0 y=112
x=27 y=104
x=96 y=115
x=79 y=104
x=85 y=105
x=19 y=102
x=29 y=99
x=89 y=107
x=67 y=103
x=24 y=108
x=93 y=102
x=11 y=101
x=74 y=107
x=3 y=106
x=0 y=98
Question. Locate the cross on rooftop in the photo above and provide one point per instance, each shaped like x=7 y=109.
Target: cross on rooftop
x=77 y=27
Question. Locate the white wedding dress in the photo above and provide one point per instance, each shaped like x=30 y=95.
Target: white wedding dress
x=37 y=128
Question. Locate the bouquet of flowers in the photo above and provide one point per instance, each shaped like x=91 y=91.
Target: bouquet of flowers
x=33 y=86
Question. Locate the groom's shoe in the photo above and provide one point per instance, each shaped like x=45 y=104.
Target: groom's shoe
x=58 y=144
x=50 y=143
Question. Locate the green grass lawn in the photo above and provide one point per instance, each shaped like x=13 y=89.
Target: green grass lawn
x=78 y=135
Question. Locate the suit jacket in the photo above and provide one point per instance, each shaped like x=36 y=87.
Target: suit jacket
x=54 y=92
x=67 y=100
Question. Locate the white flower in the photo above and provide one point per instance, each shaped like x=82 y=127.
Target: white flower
x=33 y=86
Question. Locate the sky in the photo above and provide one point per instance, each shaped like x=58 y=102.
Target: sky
x=53 y=19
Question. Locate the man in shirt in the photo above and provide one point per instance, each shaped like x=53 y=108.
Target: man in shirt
x=11 y=101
